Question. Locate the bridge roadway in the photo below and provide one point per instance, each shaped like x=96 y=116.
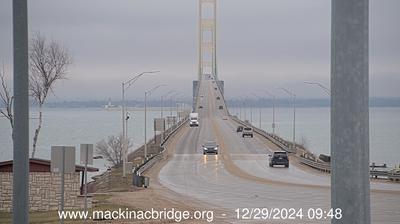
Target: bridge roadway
x=239 y=177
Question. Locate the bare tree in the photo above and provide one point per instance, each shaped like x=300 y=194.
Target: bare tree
x=111 y=149
x=6 y=100
x=48 y=64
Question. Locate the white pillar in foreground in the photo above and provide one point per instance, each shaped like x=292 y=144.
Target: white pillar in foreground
x=350 y=111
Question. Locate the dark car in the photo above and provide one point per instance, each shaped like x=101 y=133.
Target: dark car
x=279 y=158
x=200 y=107
x=218 y=98
x=215 y=88
x=239 y=129
x=210 y=147
x=221 y=107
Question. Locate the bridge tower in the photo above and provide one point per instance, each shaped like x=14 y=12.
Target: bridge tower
x=208 y=38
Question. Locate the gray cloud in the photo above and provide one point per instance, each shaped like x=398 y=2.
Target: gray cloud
x=261 y=44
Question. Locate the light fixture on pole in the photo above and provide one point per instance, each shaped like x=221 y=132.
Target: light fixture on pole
x=146 y=94
x=125 y=86
x=179 y=107
x=294 y=116
x=162 y=102
x=325 y=89
x=170 y=100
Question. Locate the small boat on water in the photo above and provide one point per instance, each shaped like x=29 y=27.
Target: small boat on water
x=110 y=106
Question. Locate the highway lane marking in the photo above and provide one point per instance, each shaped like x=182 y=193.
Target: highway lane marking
x=235 y=170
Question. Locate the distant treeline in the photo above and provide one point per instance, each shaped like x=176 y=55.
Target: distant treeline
x=300 y=102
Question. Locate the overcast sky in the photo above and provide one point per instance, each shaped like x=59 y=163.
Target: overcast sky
x=262 y=44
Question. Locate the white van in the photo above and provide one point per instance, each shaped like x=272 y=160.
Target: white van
x=194 y=120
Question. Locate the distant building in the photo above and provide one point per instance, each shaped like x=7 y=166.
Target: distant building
x=110 y=105
x=44 y=187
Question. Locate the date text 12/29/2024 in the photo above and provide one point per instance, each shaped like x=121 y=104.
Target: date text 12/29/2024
x=288 y=214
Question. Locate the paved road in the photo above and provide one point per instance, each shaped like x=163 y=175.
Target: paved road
x=239 y=176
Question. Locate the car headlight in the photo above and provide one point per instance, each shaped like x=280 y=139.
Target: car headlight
x=216 y=148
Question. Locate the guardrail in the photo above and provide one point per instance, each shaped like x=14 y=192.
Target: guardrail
x=281 y=143
x=324 y=167
x=378 y=173
x=150 y=162
x=392 y=175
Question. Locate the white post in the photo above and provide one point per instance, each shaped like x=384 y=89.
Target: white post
x=260 y=116
x=126 y=144
x=350 y=190
x=123 y=132
x=145 y=126
x=273 y=115
x=294 y=122
x=85 y=188
x=62 y=183
x=21 y=113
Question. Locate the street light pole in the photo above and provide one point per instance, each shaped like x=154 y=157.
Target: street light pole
x=171 y=104
x=294 y=115
x=20 y=134
x=325 y=89
x=146 y=94
x=350 y=177
x=123 y=131
x=178 y=107
x=273 y=110
x=259 y=107
x=240 y=108
x=162 y=103
x=251 y=113
x=126 y=85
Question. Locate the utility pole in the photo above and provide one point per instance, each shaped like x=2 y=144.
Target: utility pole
x=350 y=183
x=21 y=114
x=294 y=116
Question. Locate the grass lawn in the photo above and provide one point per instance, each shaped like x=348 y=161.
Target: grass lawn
x=102 y=204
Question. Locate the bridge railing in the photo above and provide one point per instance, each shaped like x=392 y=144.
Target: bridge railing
x=311 y=160
x=155 y=158
x=278 y=141
x=325 y=167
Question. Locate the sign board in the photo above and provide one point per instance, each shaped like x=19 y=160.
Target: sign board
x=159 y=124
x=182 y=114
x=87 y=150
x=129 y=167
x=171 y=119
x=62 y=155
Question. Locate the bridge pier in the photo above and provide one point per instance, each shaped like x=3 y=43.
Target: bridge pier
x=350 y=111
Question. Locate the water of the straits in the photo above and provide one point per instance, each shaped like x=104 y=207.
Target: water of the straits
x=89 y=125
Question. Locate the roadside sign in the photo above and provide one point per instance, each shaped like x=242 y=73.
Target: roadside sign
x=87 y=152
x=62 y=161
x=62 y=155
x=171 y=119
x=159 y=124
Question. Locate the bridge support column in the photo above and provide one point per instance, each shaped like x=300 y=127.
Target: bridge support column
x=350 y=111
x=195 y=94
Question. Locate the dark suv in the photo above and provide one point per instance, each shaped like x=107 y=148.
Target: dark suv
x=279 y=158
x=210 y=147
